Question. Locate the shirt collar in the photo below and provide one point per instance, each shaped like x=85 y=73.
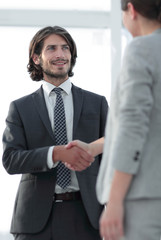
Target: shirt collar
x=66 y=86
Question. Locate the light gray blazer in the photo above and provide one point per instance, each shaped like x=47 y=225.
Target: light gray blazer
x=133 y=131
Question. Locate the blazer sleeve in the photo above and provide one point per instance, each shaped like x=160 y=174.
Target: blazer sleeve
x=17 y=158
x=132 y=123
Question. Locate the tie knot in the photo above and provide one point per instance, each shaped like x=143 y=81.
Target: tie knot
x=57 y=90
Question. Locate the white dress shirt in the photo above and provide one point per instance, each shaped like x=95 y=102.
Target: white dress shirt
x=50 y=99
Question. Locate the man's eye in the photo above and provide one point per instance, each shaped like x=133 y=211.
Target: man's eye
x=51 y=48
x=66 y=47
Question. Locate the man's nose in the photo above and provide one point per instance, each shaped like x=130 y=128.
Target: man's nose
x=59 y=53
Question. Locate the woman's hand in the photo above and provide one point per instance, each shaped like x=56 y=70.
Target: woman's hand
x=112 y=219
x=111 y=222
x=77 y=143
x=80 y=144
x=93 y=149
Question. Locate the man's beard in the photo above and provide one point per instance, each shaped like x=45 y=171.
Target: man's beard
x=54 y=75
x=51 y=74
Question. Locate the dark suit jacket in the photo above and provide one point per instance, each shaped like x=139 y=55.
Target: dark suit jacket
x=27 y=138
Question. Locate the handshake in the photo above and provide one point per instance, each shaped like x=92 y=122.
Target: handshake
x=78 y=155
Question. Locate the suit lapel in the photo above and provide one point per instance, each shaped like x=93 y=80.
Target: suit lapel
x=77 y=103
x=39 y=101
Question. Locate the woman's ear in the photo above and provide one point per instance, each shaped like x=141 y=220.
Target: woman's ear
x=131 y=10
x=36 y=59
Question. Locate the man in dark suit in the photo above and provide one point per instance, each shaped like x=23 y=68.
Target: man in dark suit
x=44 y=209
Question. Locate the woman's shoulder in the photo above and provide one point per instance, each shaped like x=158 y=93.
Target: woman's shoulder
x=146 y=43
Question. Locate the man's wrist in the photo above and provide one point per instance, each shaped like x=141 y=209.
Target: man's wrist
x=56 y=155
x=49 y=158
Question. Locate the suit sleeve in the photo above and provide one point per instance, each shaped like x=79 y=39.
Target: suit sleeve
x=134 y=112
x=17 y=158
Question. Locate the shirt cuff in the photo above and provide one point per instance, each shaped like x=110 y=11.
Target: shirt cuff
x=49 y=158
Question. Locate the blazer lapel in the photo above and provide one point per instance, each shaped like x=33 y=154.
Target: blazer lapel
x=39 y=101
x=77 y=103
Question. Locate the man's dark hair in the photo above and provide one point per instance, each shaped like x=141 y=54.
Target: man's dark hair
x=36 y=46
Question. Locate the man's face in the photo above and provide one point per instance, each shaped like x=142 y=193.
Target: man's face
x=55 y=59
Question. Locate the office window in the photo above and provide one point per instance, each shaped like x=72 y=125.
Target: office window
x=103 y=5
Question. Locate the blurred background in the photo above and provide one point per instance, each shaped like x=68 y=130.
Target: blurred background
x=97 y=29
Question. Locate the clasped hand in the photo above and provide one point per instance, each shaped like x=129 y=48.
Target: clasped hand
x=84 y=157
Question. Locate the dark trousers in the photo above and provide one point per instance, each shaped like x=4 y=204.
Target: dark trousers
x=68 y=221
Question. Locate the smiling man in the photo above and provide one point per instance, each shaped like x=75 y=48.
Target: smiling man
x=55 y=59
x=53 y=202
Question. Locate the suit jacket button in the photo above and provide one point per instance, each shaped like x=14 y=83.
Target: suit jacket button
x=136 y=158
x=137 y=153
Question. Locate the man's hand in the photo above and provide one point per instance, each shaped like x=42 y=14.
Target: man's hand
x=75 y=158
x=82 y=145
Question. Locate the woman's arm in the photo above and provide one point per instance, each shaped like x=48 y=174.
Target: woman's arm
x=112 y=219
x=95 y=148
